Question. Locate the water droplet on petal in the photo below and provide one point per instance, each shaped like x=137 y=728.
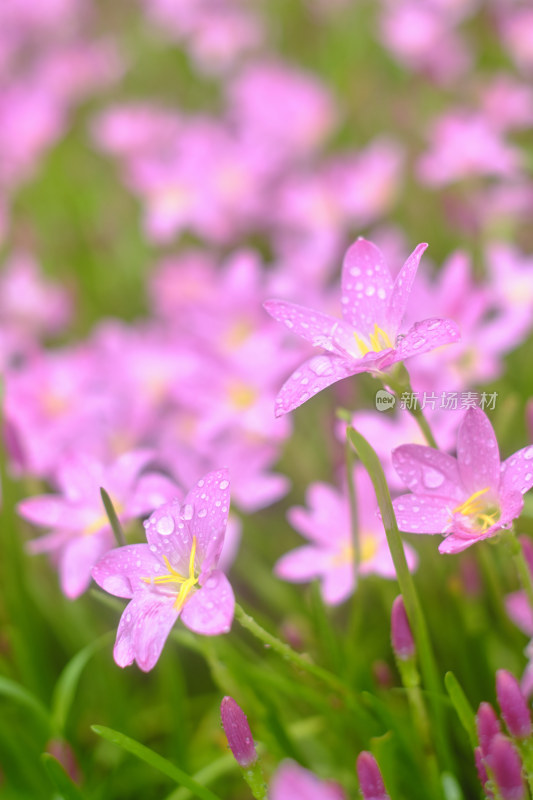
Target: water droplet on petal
x=528 y=453
x=434 y=325
x=165 y=526
x=370 y=290
x=187 y=511
x=432 y=478
x=202 y=513
x=223 y=485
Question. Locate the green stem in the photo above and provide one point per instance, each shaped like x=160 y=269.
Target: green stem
x=526 y=751
x=407 y=589
x=113 y=518
x=350 y=461
x=253 y=775
x=285 y=651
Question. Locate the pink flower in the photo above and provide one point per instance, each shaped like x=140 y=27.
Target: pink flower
x=292 y=781
x=329 y=555
x=79 y=528
x=468 y=498
x=174 y=575
x=366 y=338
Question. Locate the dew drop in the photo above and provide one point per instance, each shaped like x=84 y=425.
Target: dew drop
x=201 y=483
x=165 y=526
x=370 y=290
x=432 y=478
x=355 y=271
x=528 y=453
x=223 y=485
x=434 y=325
x=382 y=293
x=187 y=511
x=202 y=513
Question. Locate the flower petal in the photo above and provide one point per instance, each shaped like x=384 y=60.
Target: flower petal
x=519 y=609
x=120 y=571
x=366 y=287
x=302 y=564
x=425 y=336
x=151 y=491
x=401 y=290
x=517 y=471
x=478 y=456
x=338 y=584
x=319 y=329
x=77 y=559
x=209 y=500
x=52 y=511
x=427 y=471
x=423 y=513
x=169 y=535
x=292 y=782
x=143 y=630
x=210 y=609
x=318 y=373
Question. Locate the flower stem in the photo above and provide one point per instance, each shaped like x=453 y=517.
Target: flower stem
x=350 y=461
x=407 y=589
x=400 y=383
x=298 y=660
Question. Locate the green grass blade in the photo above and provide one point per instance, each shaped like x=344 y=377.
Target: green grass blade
x=67 y=682
x=60 y=779
x=14 y=691
x=463 y=708
x=155 y=760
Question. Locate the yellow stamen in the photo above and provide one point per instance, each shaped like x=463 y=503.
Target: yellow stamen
x=102 y=521
x=174 y=577
x=369 y=548
x=379 y=340
x=483 y=515
x=473 y=505
x=241 y=395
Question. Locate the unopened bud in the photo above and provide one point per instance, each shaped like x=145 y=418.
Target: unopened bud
x=488 y=725
x=513 y=705
x=527 y=549
x=63 y=752
x=237 y=732
x=506 y=767
x=370 y=780
x=401 y=636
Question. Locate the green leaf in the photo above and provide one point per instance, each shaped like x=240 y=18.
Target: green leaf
x=113 y=518
x=67 y=682
x=462 y=706
x=156 y=761
x=14 y=691
x=60 y=779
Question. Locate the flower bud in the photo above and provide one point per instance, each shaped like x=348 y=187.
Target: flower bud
x=527 y=549
x=506 y=767
x=63 y=752
x=401 y=636
x=370 y=780
x=488 y=725
x=513 y=705
x=237 y=732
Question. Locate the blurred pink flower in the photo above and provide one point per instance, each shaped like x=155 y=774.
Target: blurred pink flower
x=366 y=339
x=468 y=498
x=174 y=575
x=329 y=556
x=464 y=144
x=80 y=530
x=292 y=781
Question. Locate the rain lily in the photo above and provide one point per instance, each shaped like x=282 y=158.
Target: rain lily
x=468 y=498
x=329 y=554
x=79 y=529
x=174 y=575
x=366 y=338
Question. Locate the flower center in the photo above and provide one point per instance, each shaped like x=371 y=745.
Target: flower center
x=173 y=577
x=241 y=395
x=379 y=340
x=369 y=548
x=102 y=521
x=482 y=514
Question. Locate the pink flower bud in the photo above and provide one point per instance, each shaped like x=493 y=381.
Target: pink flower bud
x=237 y=732
x=513 y=705
x=370 y=780
x=506 y=767
x=401 y=636
x=482 y=772
x=527 y=549
x=63 y=752
x=488 y=725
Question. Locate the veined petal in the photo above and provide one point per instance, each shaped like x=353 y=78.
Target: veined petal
x=210 y=609
x=478 y=456
x=401 y=290
x=143 y=630
x=121 y=571
x=319 y=329
x=318 y=373
x=169 y=536
x=366 y=287
x=427 y=471
x=426 y=335
x=517 y=471
x=209 y=500
x=423 y=513
x=455 y=543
